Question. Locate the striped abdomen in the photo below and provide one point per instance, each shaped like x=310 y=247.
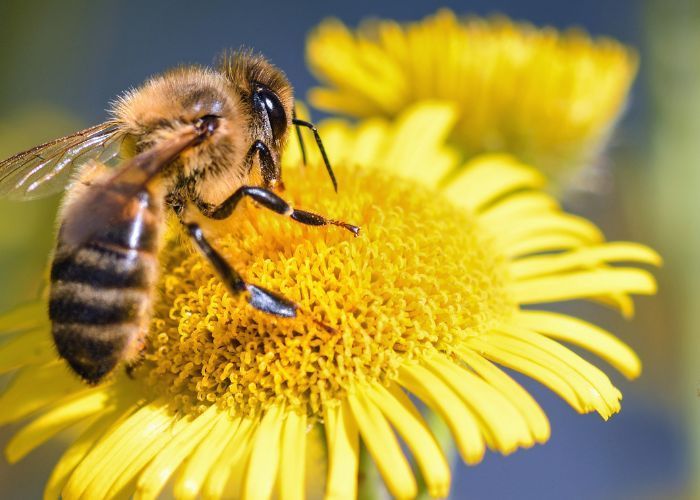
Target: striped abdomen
x=101 y=289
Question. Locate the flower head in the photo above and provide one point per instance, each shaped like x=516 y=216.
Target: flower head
x=548 y=98
x=428 y=302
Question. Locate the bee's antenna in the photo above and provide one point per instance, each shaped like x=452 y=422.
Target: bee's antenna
x=313 y=128
x=300 y=138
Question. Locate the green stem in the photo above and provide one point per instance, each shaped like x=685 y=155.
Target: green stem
x=444 y=439
x=369 y=483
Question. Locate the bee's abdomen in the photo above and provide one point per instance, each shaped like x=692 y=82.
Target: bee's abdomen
x=92 y=351
x=85 y=303
x=101 y=266
x=100 y=297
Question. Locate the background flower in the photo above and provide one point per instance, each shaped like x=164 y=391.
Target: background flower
x=549 y=98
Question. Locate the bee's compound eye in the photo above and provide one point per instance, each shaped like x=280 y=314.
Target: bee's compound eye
x=274 y=109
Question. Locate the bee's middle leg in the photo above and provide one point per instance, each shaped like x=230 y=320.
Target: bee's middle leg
x=260 y=298
x=273 y=202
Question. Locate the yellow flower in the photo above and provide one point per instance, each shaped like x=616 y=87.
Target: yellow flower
x=548 y=98
x=432 y=298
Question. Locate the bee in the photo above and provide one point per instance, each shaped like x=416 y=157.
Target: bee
x=198 y=139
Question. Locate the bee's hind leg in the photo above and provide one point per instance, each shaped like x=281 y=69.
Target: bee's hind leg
x=130 y=368
x=258 y=297
x=135 y=355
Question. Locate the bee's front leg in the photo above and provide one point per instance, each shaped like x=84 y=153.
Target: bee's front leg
x=260 y=298
x=273 y=202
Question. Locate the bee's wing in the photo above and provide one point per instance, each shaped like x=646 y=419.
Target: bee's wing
x=46 y=169
x=105 y=202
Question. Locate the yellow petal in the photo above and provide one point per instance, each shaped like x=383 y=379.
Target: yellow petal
x=168 y=459
x=96 y=473
x=413 y=430
x=355 y=65
x=75 y=454
x=510 y=234
x=63 y=414
x=150 y=440
x=583 y=284
x=499 y=418
x=517 y=205
x=228 y=472
x=28 y=348
x=586 y=335
x=544 y=96
x=343 y=101
x=342 y=437
x=413 y=146
x=418 y=134
x=488 y=177
x=600 y=385
x=544 y=374
x=25 y=317
x=291 y=473
x=383 y=446
x=528 y=407
x=572 y=379
x=620 y=302
x=583 y=258
x=369 y=141
x=35 y=387
x=542 y=243
x=439 y=397
x=123 y=410
x=189 y=482
x=587 y=396
x=265 y=456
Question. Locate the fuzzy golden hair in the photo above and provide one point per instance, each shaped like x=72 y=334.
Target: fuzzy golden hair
x=165 y=103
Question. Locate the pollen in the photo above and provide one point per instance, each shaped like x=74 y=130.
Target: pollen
x=421 y=276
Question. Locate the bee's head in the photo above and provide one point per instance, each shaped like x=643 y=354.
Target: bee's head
x=267 y=100
x=178 y=98
x=247 y=98
x=264 y=93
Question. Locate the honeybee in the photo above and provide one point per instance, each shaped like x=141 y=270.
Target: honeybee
x=198 y=139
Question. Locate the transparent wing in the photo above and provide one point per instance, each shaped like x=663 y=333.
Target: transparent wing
x=46 y=169
x=105 y=202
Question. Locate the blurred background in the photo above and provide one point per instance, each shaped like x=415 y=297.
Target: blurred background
x=62 y=62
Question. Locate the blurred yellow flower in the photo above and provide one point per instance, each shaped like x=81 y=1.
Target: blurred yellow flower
x=428 y=302
x=549 y=98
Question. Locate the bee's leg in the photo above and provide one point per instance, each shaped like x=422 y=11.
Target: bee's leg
x=135 y=354
x=270 y=200
x=260 y=298
x=271 y=173
x=131 y=368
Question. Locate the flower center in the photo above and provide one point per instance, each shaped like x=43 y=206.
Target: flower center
x=421 y=275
